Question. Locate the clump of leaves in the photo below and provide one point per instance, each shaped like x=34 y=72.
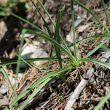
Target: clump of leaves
x=57 y=48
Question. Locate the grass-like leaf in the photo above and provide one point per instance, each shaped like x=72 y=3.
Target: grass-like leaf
x=89 y=38
x=6 y=76
x=34 y=59
x=79 y=3
x=53 y=24
x=96 y=48
x=42 y=19
x=34 y=93
x=23 y=20
x=74 y=39
x=102 y=102
x=95 y=61
x=50 y=75
x=56 y=36
x=53 y=42
x=19 y=56
x=42 y=69
x=18 y=63
x=49 y=32
x=109 y=14
x=46 y=12
x=106 y=12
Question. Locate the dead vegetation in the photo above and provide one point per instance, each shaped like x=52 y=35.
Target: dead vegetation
x=95 y=87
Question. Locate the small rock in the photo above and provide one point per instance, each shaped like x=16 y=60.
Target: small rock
x=77 y=22
x=4 y=101
x=12 y=80
x=69 y=37
x=36 y=43
x=98 y=32
x=3 y=89
x=83 y=27
x=44 y=41
x=78 y=17
x=27 y=35
x=20 y=75
x=32 y=51
x=42 y=55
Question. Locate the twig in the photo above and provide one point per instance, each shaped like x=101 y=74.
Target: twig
x=84 y=82
x=94 y=99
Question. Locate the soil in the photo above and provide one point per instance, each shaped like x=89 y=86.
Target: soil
x=47 y=99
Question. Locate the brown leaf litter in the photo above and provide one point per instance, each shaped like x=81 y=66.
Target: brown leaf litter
x=99 y=84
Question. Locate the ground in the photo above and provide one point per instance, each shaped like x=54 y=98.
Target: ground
x=56 y=94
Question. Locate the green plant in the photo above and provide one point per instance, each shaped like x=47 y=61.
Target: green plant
x=57 y=48
x=56 y=95
x=102 y=102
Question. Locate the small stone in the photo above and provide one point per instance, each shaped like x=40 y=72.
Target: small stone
x=3 y=89
x=36 y=43
x=27 y=35
x=12 y=80
x=4 y=101
x=98 y=32
x=32 y=51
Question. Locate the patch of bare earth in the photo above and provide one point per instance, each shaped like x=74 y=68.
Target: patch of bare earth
x=96 y=87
